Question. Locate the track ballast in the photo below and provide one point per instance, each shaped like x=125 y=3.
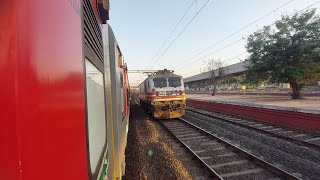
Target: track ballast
x=303 y=138
x=223 y=159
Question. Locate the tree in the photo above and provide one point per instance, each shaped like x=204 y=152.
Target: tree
x=289 y=53
x=216 y=69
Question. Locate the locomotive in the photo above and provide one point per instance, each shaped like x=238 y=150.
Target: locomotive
x=162 y=94
x=64 y=92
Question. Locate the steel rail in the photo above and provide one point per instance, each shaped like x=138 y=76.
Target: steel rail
x=281 y=173
x=209 y=169
x=297 y=141
x=212 y=172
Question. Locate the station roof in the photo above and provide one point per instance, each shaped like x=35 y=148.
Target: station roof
x=231 y=69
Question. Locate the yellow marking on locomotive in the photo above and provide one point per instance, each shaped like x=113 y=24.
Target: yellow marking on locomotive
x=169 y=109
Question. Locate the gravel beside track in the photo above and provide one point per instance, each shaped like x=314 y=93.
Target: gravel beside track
x=226 y=160
x=302 y=161
x=194 y=166
x=304 y=138
x=146 y=134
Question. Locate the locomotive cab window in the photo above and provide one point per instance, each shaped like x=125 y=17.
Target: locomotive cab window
x=96 y=120
x=160 y=82
x=174 y=81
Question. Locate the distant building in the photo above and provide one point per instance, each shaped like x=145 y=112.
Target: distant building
x=234 y=75
x=203 y=81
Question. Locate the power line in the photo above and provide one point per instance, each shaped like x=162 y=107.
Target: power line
x=239 y=30
x=180 y=33
x=235 y=42
x=233 y=57
x=243 y=38
x=306 y=7
x=173 y=30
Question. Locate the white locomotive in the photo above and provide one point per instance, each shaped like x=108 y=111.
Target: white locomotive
x=163 y=95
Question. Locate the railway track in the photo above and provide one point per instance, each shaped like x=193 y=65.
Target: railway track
x=305 y=139
x=198 y=169
x=221 y=158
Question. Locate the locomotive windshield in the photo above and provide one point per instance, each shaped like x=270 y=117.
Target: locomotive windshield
x=174 y=81
x=160 y=82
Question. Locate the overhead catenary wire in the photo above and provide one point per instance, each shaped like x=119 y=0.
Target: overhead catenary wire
x=246 y=26
x=180 y=33
x=241 y=29
x=233 y=43
x=172 y=31
x=243 y=38
x=233 y=57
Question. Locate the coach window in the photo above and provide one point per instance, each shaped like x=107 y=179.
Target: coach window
x=96 y=113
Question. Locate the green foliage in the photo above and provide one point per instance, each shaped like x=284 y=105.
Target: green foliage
x=289 y=52
x=212 y=64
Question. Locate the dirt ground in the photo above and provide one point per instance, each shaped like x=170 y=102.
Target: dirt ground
x=148 y=155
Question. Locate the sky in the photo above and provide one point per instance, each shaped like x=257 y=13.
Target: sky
x=142 y=26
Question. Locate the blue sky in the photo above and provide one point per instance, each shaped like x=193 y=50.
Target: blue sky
x=142 y=26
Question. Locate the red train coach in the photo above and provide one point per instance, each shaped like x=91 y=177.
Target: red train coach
x=64 y=91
